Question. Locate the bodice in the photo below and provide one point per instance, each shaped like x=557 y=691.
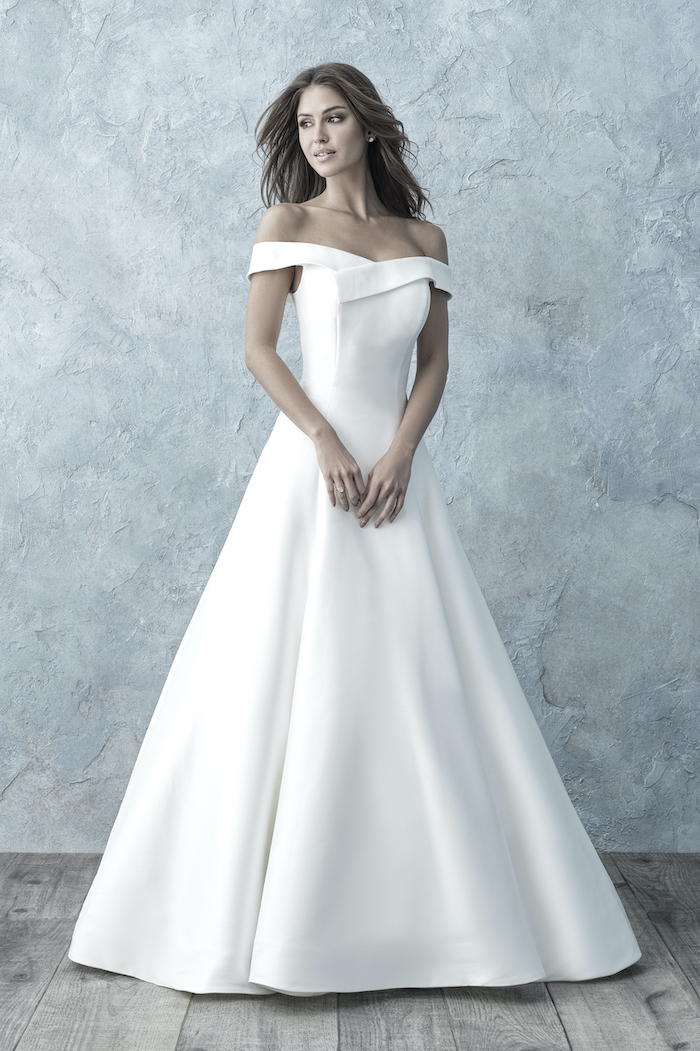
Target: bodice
x=359 y=320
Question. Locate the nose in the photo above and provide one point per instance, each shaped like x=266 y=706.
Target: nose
x=320 y=135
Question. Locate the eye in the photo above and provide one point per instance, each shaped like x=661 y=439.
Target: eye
x=335 y=116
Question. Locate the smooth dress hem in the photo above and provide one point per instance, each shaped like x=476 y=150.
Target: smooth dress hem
x=259 y=989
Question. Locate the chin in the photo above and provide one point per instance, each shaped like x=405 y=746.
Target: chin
x=321 y=169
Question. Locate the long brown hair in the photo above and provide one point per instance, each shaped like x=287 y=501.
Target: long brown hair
x=288 y=177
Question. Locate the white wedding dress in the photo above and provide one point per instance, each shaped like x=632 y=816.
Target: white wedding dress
x=343 y=786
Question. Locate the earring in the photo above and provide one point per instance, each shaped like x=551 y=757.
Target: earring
x=371 y=138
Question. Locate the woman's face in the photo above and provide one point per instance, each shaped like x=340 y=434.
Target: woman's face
x=330 y=135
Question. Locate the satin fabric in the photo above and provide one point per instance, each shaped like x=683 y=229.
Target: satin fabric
x=343 y=786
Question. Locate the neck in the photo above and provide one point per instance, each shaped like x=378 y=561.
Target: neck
x=352 y=192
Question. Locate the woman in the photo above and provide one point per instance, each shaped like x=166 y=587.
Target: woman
x=343 y=786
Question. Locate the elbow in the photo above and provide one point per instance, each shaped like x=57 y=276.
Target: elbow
x=257 y=355
x=252 y=360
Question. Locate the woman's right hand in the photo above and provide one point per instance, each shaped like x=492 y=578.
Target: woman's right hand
x=339 y=469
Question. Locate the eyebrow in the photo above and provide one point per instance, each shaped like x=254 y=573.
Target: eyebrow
x=327 y=110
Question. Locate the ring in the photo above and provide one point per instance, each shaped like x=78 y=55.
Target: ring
x=340 y=488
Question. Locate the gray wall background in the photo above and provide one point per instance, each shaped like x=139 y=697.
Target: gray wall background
x=559 y=143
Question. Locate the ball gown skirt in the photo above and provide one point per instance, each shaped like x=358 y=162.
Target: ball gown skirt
x=343 y=786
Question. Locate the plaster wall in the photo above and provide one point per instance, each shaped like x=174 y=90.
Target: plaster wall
x=559 y=144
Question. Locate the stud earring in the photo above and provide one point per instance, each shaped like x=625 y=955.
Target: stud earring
x=371 y=138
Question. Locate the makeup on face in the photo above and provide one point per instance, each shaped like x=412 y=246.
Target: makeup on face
x=331 y=116
x=327 y=129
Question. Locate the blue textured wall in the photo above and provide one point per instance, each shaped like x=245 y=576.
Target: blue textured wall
x=560 y=146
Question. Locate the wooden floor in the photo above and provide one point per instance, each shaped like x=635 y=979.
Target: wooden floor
x=49 y=1003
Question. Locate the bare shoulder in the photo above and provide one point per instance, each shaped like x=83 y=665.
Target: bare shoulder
x=281 y=222
x=430 y=238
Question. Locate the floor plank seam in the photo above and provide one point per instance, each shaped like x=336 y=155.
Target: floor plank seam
x=612 y=854
x=561 y=1020
x=449 y=1019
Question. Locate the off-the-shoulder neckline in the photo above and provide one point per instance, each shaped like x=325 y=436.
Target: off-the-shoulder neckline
x=329 y=248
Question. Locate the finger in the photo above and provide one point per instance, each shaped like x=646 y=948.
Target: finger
x=389 y=493
x=369 y=500
x=372 y=509
x=330 y=488
x=369 y=497
x=387 y=509
x=367 y=515
x=357 y=487
x=366 y=492
x=351 y=488
x=399 y=505
x=342 y=491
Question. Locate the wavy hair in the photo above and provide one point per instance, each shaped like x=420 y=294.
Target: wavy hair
x=287 y=176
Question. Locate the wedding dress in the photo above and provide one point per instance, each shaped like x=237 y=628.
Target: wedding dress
x=343 y=786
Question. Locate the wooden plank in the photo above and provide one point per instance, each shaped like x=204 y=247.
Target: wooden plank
x=30 y=952
x=668 y=888
x=7 y=858
x=662 y=876
x=650 y=1006
x=85 y=1009
x=394 y=1020
x=46 y=886
x=505 y=1018
x=237 y=1022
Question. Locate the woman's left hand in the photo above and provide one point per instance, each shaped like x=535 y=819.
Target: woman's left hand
x=387 y=481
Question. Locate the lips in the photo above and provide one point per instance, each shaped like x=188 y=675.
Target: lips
x=323 y=154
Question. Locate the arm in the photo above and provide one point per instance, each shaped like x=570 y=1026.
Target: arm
x=265 y=309
x=388 y=479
